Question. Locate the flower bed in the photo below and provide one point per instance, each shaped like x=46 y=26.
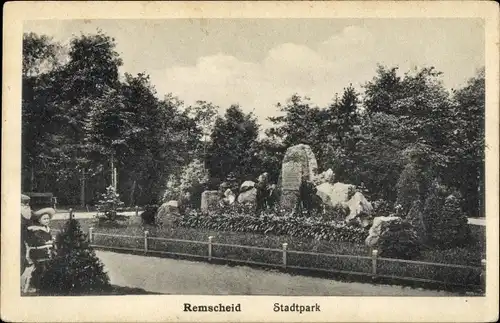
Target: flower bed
x=293 y=226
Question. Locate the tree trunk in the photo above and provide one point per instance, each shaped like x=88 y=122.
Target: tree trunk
x=82 y=191
x=132 y=193
x=113 y=172
x=32 y=179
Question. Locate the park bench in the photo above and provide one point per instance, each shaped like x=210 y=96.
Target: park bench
x=42 y=199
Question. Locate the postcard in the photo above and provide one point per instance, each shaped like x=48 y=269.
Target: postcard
x=285 y=161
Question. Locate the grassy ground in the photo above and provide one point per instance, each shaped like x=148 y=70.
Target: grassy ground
x=471 y=255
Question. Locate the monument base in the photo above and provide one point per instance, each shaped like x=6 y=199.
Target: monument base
x=289 y=199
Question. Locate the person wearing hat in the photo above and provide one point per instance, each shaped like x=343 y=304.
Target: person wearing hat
x=26 y=213
x=40 y=246
x=26 y=221
x=36 y=239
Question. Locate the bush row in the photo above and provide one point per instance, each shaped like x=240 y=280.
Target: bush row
x=300 y=227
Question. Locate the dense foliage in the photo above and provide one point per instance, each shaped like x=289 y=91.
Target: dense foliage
x=80 y=119
x=187 y=185
x=451 y=228
x=399 y=239
x=231 y=151
x=76 y=270
x=237 y=219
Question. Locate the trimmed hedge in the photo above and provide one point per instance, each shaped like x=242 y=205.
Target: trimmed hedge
x=300 y=227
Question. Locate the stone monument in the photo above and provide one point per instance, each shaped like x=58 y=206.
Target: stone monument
x=209 y=200
x=299 y=163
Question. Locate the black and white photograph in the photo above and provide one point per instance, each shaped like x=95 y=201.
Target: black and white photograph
x=219 y=156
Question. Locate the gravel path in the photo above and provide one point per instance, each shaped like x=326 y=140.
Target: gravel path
x=83 y=215
x=171 y=276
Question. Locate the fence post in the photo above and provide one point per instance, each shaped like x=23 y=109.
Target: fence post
x=210 y=238
x=136 y=210
x=483 y=274
x=70 y=213
x=285 y=245
x=91 y=238
x=146 y=241
x=374 y=263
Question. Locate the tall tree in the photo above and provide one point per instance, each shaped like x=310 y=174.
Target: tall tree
x=204 y=115
x=40 y=54
x=383 y=90
x=467 y=144
x=231 y=150
x=403 y=114
x=144 y=137
x=300 y=124
x=340 y=133
x=40 y=63
x=91 y=71
x=56 y=104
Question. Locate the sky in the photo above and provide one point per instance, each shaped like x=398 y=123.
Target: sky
x=257 y=63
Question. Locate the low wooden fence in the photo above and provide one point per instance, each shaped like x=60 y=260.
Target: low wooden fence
x=373 y=266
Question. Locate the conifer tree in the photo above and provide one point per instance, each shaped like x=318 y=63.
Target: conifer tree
x=416 y=219
x=399 y=239
x=451 y=228
x=432 y=209
x=76 y=270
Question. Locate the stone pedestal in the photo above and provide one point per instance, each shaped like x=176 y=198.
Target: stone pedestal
x=289 y=199
x=299 y=163
x=209 y=200
x=167 y=213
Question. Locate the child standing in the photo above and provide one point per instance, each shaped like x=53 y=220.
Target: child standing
x=40 y=246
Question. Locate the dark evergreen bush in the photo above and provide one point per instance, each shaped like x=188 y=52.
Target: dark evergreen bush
x=451 y=228
x=75 y=270
x=148 y=216
x=407 y=187
x=432 y=209
x=308 y=201
x=445 y=222
x=416 y=219
x=399 y=239
x=382 y=208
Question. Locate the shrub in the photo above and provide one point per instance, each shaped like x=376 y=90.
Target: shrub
x=190 y=183
x=308 y=200
x=336 y=213
x=444 y=219
x=109 y=204
x=382 y=208
x=432 y=208
x=238 y=219
x=416 y=219
x=407 y=187
x=451 y=228
x=75 y=270
x=398 y=239
x=148 y=216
